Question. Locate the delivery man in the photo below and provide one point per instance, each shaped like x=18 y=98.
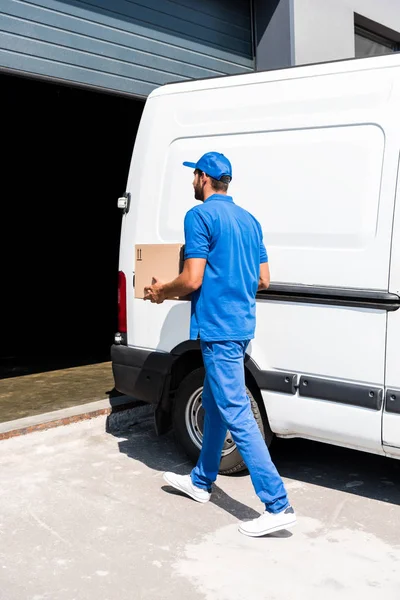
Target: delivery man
x=225 y=264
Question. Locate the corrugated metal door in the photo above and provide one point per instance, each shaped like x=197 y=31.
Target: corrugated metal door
x=126 y=46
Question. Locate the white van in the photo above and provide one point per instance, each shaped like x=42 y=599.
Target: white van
x=315 y=155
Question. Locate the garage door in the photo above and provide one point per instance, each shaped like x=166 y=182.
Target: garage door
x=125 y=46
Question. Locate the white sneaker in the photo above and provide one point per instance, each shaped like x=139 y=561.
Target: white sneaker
x=269 y=523
x=184 y=484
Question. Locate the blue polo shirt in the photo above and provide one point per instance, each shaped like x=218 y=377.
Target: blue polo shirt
x=230 y=238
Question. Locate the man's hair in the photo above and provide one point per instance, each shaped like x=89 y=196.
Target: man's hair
x=217 y=185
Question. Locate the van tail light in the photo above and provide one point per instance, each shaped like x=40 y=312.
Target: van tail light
x=122 y=319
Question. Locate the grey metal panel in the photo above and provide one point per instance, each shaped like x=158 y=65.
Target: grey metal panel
x=126 y=46
x=50 y=37
x=29 y=65
x=130 y=38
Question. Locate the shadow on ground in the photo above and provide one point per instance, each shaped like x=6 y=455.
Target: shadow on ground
x=359 y=473
x=141 y=443
x=354 y=472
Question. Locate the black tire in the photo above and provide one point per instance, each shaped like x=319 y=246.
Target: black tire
x=188 y=416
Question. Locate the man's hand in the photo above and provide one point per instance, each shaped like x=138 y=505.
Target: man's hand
x=155 y=292
x=187 y=282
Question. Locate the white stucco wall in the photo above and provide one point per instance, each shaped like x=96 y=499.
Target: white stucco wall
x=324 y=29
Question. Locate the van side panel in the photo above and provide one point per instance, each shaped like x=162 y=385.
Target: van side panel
x=311 y=160
x=334 y=346
x=315 y=159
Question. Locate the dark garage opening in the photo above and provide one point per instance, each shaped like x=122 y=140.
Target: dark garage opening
x=66 y=155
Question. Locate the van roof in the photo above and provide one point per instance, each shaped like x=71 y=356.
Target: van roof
x=299 y=71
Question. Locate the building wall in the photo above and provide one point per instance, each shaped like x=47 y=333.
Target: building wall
x=273 y=34
x=295 y=32
x=324 y=29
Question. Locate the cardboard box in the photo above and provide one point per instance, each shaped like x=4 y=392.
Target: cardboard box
x=164 y=261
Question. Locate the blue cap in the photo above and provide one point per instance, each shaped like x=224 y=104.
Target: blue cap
x=213 y=164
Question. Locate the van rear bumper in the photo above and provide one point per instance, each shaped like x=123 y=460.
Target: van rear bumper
x=143 y=374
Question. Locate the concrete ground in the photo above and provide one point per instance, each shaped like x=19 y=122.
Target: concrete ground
x=36 y=393
x=85 y=515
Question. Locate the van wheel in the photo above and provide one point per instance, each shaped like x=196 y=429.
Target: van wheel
x=188 y=422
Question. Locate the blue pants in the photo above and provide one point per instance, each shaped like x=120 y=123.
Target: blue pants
x=227 y=406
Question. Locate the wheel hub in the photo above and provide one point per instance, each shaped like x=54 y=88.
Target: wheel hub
x=194 y=417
